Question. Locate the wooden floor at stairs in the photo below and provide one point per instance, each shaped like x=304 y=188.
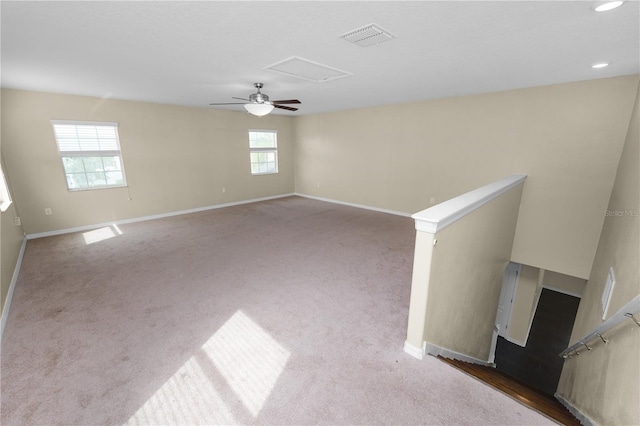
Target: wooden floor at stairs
x=532 y=398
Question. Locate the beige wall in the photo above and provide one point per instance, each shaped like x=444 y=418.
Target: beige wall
x=467 y=267
x=11 y=243
x=523 y=304
x=11 y=239
x=604 y=383
x=567 y=138
x=175 y=158
x=564 y=283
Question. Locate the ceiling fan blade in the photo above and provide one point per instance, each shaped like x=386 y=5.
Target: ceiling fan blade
x=288 y=101
x=229 y=103
x=242 y=99
x=285 y=107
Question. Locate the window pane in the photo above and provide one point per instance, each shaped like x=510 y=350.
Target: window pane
x=73 y=164
x=115 y=178
x=262 y=140
x=67 y=137
x=111 y=163
x=76 y=180
x=93 y=164
x=96 y=179
x=107 y=138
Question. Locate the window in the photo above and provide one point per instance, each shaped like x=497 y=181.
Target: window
x=608 y=289
x=5 y=196
x=90 y=154
x=263 y=151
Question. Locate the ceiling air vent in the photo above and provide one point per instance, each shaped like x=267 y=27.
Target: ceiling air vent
x=368 y=35
x=307 y=70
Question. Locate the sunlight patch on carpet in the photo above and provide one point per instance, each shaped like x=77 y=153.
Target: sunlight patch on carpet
x=186 y=398
x=248 y=358
x=101 y=234
x=229 y=379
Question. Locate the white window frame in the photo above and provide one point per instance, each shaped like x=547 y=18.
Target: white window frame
x=5 y=195
x=85 y=152
x=259 y=150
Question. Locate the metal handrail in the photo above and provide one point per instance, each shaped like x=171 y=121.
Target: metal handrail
x=628 y=311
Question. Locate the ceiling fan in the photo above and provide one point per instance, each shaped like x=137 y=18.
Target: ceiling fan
x=259 y=103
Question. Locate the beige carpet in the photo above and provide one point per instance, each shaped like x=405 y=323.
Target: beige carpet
x=290 y=311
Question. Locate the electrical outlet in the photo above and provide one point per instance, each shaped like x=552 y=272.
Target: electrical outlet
x=224 y=189
x=432 y=200
x=47 y=211
x=17 y=221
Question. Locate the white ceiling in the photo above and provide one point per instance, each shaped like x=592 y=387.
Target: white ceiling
x=195 y=53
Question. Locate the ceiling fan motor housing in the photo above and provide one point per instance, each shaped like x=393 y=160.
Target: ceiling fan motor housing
x=258 y=98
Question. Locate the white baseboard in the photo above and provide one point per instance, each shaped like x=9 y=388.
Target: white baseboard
x=199 y=209
x=582 y=418
x=360 y=206
x=446 y=353
x=12 y=286
x=414 y=351
x=155 y=216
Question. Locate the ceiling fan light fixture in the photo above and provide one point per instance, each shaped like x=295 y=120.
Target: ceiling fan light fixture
x=258 y=109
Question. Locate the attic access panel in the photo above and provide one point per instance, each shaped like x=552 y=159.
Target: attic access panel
x=307 y=70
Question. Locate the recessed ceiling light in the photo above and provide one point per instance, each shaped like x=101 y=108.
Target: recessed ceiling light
x=600 y=65
x=608 y=6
